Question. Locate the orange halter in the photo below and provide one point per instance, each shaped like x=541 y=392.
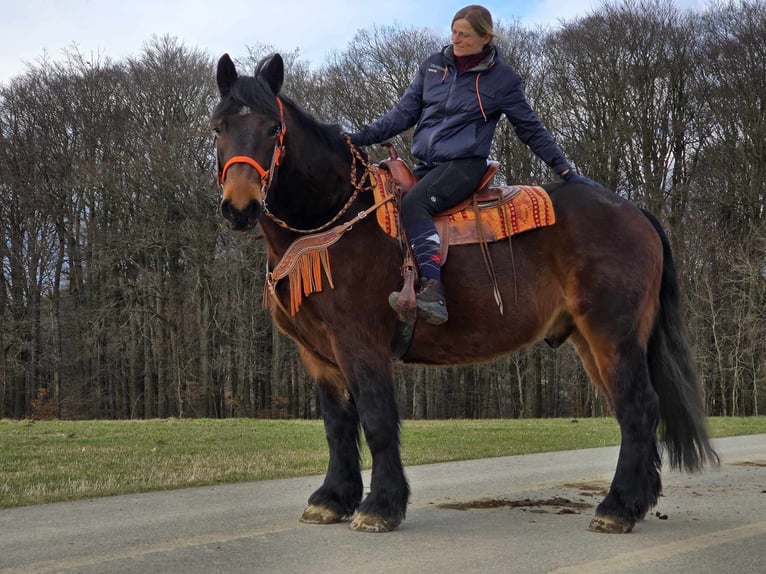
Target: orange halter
x=266 y=174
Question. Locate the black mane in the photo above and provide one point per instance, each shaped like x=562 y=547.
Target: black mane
x=255 y=93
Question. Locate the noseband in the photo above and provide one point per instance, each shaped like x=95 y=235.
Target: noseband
x=267 y=175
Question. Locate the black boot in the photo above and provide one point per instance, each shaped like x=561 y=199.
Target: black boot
x=431 y=302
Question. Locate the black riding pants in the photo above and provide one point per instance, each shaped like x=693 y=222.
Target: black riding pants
x=439 y=188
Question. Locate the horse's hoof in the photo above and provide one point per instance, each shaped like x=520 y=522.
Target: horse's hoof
x=315 y=514
x=371 y=523
x=609 y=525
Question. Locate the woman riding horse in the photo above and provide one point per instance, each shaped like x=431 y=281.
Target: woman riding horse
x=454 y=103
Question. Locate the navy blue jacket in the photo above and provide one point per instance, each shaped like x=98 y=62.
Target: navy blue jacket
x=456 y=115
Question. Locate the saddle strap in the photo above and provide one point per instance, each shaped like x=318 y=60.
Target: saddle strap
x=407 y=302
x=486 y=254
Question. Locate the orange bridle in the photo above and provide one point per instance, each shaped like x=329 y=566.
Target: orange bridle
x=266 y=174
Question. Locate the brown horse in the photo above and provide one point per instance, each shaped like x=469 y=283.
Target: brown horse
x=602 y=277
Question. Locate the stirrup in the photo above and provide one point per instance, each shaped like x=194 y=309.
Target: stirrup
x=393 y=299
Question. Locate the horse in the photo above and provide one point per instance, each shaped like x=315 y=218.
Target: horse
x=601 y=278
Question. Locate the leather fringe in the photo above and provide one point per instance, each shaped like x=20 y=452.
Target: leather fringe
x=306 y=277
x=304 y=261
x=303 y=265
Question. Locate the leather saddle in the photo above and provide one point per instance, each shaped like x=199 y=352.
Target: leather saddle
x=452 y=232
x=403 y=175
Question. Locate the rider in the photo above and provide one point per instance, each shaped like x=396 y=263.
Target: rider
x=455 y=102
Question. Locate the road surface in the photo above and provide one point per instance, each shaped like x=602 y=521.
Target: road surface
x=512 y=514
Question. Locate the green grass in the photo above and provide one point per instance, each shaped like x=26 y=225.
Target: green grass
x=50 y=461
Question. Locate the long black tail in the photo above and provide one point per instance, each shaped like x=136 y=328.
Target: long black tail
x=683 y=427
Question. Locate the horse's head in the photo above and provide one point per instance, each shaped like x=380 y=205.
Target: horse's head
x=249 y=130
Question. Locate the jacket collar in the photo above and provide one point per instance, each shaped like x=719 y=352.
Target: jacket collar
x=485 y=64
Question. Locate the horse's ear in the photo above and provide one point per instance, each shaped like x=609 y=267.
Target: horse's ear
x=226 y=74
x=272 y=69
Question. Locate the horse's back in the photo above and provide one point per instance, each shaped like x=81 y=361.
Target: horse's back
x=596 y=227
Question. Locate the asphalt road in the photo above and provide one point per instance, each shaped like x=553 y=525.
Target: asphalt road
x=710 y=522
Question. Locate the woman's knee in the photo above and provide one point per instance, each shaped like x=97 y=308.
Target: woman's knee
x=415 y=208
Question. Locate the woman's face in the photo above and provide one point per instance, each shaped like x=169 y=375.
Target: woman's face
x=465 y=40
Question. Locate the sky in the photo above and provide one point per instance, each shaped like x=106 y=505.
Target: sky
x=31 y=30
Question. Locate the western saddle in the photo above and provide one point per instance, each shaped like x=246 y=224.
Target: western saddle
x=484 y=194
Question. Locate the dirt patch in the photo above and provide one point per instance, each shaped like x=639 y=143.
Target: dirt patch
x=756 y=463
x=595 y=488
x=556 y=504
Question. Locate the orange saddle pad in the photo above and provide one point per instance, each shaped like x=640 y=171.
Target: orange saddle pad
x=518 y=208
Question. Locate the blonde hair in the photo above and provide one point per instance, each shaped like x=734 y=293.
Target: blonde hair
x=479 y=18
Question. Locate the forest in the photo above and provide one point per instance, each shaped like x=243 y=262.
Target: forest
x=124 y=295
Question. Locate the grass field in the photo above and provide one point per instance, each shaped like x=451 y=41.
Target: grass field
x=49 y=461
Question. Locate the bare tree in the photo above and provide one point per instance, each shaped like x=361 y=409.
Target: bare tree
x=123 y=295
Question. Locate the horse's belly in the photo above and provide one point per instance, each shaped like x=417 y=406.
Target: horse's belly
x=472 y=337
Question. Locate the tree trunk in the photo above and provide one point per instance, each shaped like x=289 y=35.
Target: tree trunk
x=148 y=377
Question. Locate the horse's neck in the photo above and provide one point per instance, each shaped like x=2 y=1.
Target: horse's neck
x=312 y=186
x=323 y=199
x=277 y=239
x=309 y=194
x=310 y=199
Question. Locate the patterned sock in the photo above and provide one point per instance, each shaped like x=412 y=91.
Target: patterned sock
x=426 y=246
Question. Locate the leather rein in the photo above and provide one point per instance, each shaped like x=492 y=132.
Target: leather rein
x=268 y=175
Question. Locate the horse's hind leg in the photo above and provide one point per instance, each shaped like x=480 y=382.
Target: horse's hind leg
x=340 y=494
x=590 y=365
x=636 y=484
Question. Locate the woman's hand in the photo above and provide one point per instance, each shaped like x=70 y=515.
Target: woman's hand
x=571 y=176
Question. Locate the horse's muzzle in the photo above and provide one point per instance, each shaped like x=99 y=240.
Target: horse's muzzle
x=240 y=220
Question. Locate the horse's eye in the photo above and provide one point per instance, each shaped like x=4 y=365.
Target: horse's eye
x=276 y=129
x=216 y=131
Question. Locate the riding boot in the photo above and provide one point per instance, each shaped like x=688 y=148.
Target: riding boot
x=431 y=302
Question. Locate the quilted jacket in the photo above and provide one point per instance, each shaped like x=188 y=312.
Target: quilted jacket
x=455 y=115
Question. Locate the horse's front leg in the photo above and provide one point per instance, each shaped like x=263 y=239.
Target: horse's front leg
x=340 y=494
x=371 y=382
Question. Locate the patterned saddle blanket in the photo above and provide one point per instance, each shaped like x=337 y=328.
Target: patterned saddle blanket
x=503 y=211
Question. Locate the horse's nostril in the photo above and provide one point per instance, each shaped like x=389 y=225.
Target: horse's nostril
x=239 y=219
x=226 y=210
